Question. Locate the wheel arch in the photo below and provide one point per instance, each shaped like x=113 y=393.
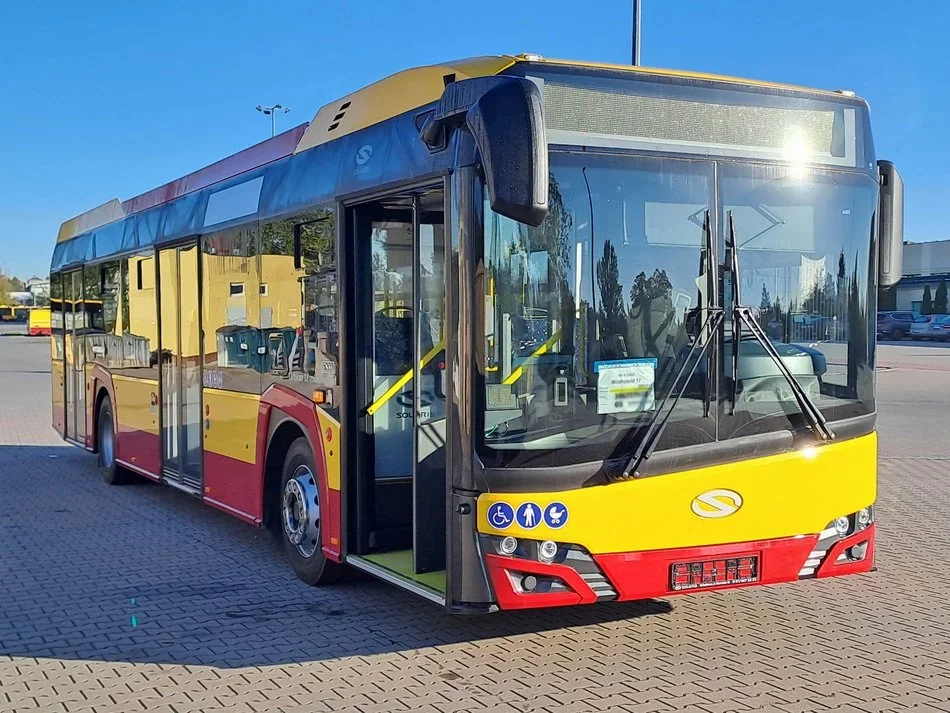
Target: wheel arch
x=281 y=432
x=290 y=413
x=102 y=388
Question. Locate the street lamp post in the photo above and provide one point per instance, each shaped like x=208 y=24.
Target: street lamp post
x=272 y=111
x=636 y=33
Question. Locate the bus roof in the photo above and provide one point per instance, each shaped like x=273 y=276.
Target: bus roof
x=389 y=97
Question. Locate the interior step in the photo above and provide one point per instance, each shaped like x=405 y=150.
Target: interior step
x=396 y=568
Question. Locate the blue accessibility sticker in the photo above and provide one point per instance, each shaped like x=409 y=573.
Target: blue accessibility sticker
x=528 y=516
x=500 y=515
x=555 y=515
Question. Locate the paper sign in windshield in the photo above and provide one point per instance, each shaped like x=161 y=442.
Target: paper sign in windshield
x=625 y=385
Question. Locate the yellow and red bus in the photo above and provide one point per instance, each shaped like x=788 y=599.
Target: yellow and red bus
x=506 y=332
x=39 y=322
x=14 y=313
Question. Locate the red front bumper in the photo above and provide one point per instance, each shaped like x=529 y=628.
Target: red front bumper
x=645 y=575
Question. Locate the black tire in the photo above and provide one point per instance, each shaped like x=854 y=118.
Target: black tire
x=112 y=472
x=306 y=557
x=897 y=334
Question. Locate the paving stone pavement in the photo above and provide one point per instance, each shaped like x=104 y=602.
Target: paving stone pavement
x=138 y=598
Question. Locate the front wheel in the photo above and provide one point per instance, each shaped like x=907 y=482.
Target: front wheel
x=897 y=334
x=111 y=471
x=300 y=517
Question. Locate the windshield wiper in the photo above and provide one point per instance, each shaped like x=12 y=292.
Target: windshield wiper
x=742 y=314
x=704 y=337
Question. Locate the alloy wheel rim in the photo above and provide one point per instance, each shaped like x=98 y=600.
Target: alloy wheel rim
x=301 y=511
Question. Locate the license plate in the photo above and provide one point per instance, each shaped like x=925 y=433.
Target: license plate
x=714 y=573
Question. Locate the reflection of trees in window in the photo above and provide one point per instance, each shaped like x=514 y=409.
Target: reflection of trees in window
x=612 y=311
x=110 y=296
x=554 y=236
x=91 y=300
x=858 y=339
x=124 y=281
x=317 y=233
x=318 y=242
x=651 y=312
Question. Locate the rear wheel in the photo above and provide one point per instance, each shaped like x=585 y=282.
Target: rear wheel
x=300 y=517
x=112 y=473
x=897 y=334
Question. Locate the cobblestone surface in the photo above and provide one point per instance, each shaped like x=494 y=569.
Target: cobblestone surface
x=139 y=598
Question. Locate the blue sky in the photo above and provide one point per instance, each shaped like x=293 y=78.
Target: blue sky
x=107 y=99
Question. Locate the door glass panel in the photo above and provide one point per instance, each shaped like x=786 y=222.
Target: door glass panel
x=430 y=368
x=190 y=360
x=429 y=394
x=392 y=348
x=57 y=346
x=79 y=357
x=69 y=353
x=170 y=349
x=181 y=365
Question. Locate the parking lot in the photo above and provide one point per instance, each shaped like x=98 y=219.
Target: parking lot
x=139 y=598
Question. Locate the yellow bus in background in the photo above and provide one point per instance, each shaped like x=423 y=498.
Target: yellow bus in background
x=14 y=313
x=39 y=322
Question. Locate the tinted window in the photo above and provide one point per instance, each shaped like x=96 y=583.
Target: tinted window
x=230 y=307
x=585 y=316
x=299 y=301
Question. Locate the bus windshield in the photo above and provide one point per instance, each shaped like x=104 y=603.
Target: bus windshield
x=588 y=318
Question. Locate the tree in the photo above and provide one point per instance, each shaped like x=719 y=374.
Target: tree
x=766 y=303
x=940 y=299
x=887 y=298
x=927 y=306
x=6 y=287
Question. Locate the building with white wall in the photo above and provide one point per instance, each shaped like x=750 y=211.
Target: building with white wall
x=925 y=264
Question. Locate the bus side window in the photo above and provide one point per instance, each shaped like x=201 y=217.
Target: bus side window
x=299 y=300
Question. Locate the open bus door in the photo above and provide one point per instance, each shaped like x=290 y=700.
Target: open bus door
x=396 y=495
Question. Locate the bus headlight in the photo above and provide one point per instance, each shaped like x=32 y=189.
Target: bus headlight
x=547 y=551
x=508 y=545
x=842 y=525
x=864 y=517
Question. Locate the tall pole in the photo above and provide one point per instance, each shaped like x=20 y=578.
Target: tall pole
x=272 y=111
x=635 y=40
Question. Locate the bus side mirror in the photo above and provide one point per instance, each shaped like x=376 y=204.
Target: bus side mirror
x=890 y=221
x=506 y=119
x=508 y=125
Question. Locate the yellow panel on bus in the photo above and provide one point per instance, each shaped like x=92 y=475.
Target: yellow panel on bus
x=785 y=495
x=330 y=434
x=135 y=407
x=231 y=424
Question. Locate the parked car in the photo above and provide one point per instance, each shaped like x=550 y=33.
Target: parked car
x=895 y=325
x=936 y=327
x=919 y=327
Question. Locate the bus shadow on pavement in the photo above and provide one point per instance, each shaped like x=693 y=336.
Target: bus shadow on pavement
x=143 y=573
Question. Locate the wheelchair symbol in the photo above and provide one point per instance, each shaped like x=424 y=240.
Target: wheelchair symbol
x=500 y=515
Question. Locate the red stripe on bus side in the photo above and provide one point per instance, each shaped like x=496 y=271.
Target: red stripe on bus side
x=139 y=448
x=233 y=483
